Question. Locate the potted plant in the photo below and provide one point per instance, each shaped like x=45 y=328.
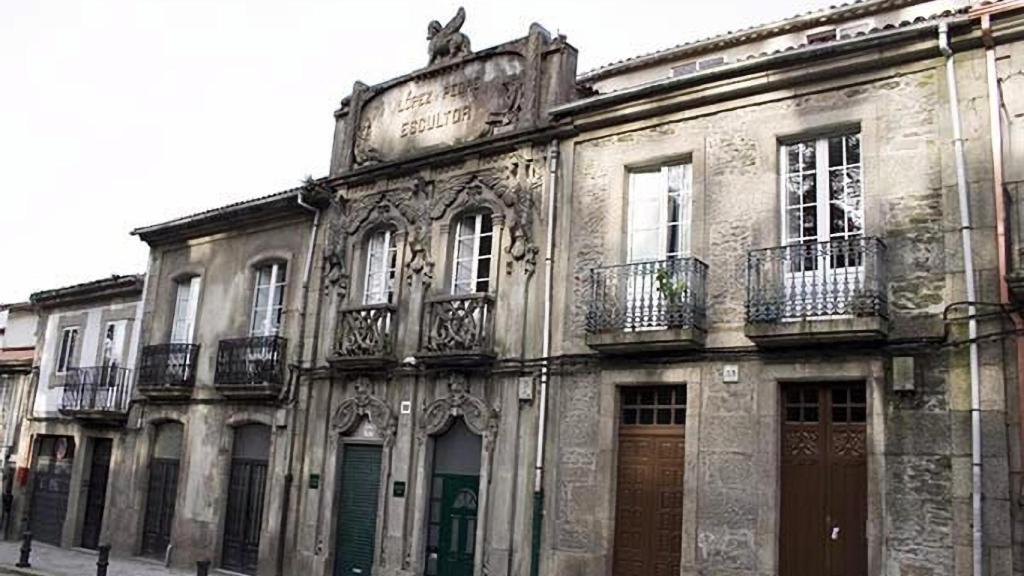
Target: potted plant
x=673 y=288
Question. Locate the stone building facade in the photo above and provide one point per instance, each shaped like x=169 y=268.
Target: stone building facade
x=702 y=311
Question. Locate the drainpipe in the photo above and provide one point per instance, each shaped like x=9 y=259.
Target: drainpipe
x=972 y=322
x=538 y=468
x=290 y=391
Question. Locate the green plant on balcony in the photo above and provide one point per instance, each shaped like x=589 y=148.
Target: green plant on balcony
x=673 y=287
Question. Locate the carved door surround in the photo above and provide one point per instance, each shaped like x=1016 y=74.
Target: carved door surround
x=437 y=416
x=345 y=421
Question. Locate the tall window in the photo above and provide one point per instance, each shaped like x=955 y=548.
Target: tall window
x=68 y=348
x=268 y=300
x=659 y=213
x=472 y=257
x=381 y=263
x=823 y=190
x=186 y=299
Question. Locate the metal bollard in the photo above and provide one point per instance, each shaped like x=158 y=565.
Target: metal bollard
x=103 y=561
x=26 y=550
x=203 y=568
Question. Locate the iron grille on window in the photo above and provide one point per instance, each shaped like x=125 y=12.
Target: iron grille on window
x=459 y=324
x=250 y=361
x=168 y=366
x=647 y=295
x=843 y=277
x=365 y=331
x=96 y=389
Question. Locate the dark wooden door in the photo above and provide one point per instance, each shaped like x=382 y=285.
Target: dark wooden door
x=96 y=492
x=824 y=481
x=244 y=519
x=160 y=497
x=358 y=490
x=649 y=499
x=51 y=485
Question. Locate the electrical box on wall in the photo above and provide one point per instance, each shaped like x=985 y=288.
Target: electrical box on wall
x=903 y=373
x=526 y=388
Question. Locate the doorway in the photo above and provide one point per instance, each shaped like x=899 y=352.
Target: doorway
x=823 y=524
x=162 y=490
x=96 y=492
x=51 y=486
x=454 y=498
x=358 y=490
x=243 y=520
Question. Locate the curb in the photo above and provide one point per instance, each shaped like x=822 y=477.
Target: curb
x=21 y=571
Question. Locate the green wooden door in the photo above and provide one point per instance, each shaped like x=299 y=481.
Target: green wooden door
x=358 y=488
x=458 y=524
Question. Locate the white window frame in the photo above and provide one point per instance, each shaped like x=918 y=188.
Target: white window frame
x=475 y=257
x=66 y=349
x=683 y=221
x=278 y=271
x=185 y=310
x=388 y=258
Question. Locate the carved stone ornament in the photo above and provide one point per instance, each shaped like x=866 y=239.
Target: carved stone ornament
x=509 y=189
x=363 y=151
x=335 y=272
x=448 y=43
x=405 y=208
x=480 y=418
x=348 y=415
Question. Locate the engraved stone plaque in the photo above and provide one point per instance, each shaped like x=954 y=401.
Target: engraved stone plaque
x=456 y=104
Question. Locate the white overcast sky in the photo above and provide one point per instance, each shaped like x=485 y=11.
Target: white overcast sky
x=115 y=114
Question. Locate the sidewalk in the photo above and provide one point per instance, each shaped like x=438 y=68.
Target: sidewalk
x=52 y=561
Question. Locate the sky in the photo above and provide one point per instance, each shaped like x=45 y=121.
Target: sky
x=115 y=114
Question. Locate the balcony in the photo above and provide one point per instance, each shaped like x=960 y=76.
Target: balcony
x=100 y=394
x=459 y=330
x=365 y=336
x=168 y=371
x=647 y=306
x=250 y=367
x=817 y=292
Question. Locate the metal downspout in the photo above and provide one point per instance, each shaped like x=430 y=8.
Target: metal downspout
x=295 y=380
x=538 y=468
x=972 y=322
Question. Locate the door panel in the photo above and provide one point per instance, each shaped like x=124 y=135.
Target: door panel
x=824 y=481
x=96 y=495
x=457 y=541
x=50 y=488
x=160 y=497
x=649 y=500
x=358 y=490
x=244 y=519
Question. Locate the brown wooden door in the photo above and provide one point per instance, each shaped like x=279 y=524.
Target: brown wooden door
x=824 y=481
x=649 y=502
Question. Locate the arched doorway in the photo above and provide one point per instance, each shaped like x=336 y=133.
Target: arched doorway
x=360 y=458
x=243 y=519
x=163 y=489
x=454 y=501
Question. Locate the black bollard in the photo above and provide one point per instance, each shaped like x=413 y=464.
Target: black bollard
x=26 y=550
x=203 y=568
x=103 y=561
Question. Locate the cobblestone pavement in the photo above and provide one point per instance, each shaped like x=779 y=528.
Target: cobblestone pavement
x=53 y=561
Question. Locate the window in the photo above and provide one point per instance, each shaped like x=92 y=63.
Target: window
x=659 y=213
x=694 y=66
x=821 y=37
x=472 y=258
x=268 y=300
x=113 y=343
x=186 y=299
x=821 y=180
x=68 y=344
x=381 y=264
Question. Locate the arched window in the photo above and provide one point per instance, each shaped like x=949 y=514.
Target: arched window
x=471 y=257
x=381 y=265
x=268 y=299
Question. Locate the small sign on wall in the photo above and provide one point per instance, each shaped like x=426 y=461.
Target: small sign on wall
x=398 y=490
x=314 y=481
x=730 y=373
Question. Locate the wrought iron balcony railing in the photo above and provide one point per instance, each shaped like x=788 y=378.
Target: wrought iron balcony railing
x=365 y=332
x=653 y=295
x=168 y=366
x=459 y=325
x=817 y=280
x=96 y=390
x=252 y=361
